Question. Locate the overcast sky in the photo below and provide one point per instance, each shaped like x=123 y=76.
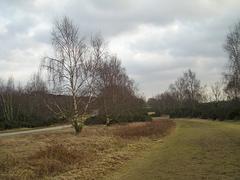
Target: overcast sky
x=156 y=40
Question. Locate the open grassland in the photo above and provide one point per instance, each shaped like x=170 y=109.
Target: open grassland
x=198 y=149
x=97 y=151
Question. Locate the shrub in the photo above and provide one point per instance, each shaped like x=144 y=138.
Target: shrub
x=118 y=119
x=147 y=129
x=94 y=120
x=225 y=110
x=54 y=158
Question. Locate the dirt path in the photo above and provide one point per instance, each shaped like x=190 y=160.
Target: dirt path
x=34 y=131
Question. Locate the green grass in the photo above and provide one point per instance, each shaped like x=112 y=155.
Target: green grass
x=198 y=149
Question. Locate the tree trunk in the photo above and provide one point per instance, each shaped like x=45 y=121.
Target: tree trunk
x=76 y=122
x=75 y=106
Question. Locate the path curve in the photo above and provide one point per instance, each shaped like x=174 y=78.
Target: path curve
x=34 y=131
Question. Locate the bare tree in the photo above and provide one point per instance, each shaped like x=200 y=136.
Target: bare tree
x=232 y=47
x=187 y=88
x=216 y=90
x=36 y=85
x=10 y=112
x=10 y=86
x=1 y=85
x=193 y=86
x=73 y=69
x=116 y=89
x=164 y=102
x=178 y=89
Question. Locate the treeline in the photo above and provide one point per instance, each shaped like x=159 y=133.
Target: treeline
x=224 y=110
x=186 y=97
x=85 y=84
x=24 y=106
x=35 y=105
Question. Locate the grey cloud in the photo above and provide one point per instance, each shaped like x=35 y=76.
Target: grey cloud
x=197 y=44
x=193 y=39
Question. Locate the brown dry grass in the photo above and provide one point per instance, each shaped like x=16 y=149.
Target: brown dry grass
x=62 y=155
x=148 y=129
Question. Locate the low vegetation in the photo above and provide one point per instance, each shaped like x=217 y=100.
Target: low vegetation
x=224 y=110
x=96 y=151
x=148 y=129
x=197 y=149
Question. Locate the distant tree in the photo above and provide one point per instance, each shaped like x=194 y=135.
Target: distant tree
x=73 y=69
x=186 y=92
x=153 y=103
x=187 y=88
x=232 y=47
x=10 y=87
x=163 y=103
x=20 y=88
x=117 y=91
x=178 y=89
x=9 y=110
x=193 y=86
x=216 y=90
x=36 y=85
x=1 y=85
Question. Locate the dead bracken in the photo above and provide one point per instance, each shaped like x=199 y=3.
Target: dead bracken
x=97 y=150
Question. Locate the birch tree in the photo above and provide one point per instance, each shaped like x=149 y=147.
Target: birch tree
x=72 y=70
x=232 y=47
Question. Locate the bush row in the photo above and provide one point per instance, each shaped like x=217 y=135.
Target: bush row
x=138 y=117
x=225 y=110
